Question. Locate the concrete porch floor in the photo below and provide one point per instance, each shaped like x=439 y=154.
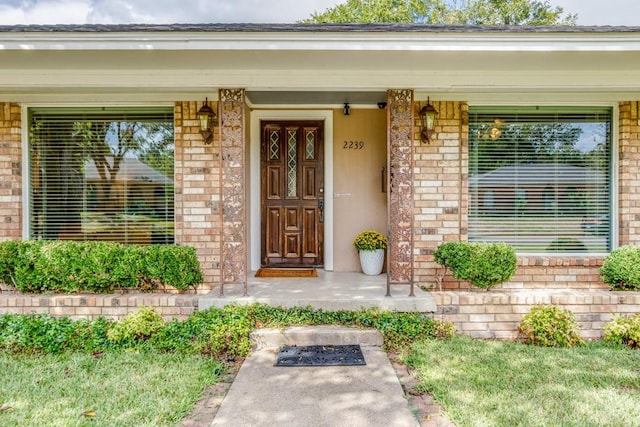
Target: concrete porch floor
x=328 y=291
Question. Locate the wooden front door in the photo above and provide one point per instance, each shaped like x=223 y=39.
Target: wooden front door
x=292 y=193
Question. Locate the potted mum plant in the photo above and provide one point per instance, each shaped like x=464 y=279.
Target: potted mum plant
x=370 y=245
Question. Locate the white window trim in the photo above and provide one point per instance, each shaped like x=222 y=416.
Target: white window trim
x=26 y=188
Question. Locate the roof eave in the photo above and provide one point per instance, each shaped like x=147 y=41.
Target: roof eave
x=409 y=37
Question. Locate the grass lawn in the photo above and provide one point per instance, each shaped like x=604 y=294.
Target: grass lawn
x=117 y=389
x=487 y=383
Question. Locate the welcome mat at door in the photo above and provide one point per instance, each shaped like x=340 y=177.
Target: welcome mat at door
x=287 y=272
x=321 y=355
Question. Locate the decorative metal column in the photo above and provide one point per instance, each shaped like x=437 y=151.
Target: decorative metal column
x=234 y=200
x=400 y=184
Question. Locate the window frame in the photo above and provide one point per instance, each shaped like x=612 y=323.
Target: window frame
x=614 y=196
x=26 y=107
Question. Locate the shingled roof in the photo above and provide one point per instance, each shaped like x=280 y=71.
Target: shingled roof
x=324 y=28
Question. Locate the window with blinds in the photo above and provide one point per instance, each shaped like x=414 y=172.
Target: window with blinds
x=101 y=174
x=540 y=178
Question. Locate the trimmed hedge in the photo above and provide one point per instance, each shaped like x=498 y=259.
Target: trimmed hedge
x=621 y=268
x=482 y=264
x=68 y=266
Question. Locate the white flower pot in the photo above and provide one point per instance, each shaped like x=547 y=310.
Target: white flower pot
x=372 y=261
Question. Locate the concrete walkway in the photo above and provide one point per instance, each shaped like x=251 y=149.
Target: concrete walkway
x=353 y=396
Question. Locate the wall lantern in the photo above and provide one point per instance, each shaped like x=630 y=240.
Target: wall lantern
x=207 y=118
x=427 y=122
x=495 y=131
x=346 y=110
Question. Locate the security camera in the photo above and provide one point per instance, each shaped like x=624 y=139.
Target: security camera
x=382 y=105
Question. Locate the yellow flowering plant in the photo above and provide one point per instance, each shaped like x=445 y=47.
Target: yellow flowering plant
x=370 y=240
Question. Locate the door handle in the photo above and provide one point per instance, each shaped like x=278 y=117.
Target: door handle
x=321 y=210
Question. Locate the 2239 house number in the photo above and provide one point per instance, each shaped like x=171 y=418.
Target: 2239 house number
x=353 y=145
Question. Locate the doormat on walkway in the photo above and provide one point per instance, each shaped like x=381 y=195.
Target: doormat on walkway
x=287 y=272
x=321 y=355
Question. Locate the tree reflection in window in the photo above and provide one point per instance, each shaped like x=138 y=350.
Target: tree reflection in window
x=549 y=170
x=102 y=174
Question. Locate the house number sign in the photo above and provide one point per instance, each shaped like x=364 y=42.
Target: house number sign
x=353 y=145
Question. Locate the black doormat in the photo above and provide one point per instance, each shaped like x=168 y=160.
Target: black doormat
x=321 y=355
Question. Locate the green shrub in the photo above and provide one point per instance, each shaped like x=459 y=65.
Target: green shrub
x=107 y=266
x=67 y=266
x=177 y=336
x=92 y=335
x=621 y=268
x=491 y=264
x=26 y=277
x=9 y=252
x=453 y=255
x=137 y=326
x=60 y=266
x=400 y=330
x=624 y=330
x=63 y=266
x=223 y=333
x=481 y=264
x=43 y=333
x=228 y=340
x=550 y=326
x=176 y=266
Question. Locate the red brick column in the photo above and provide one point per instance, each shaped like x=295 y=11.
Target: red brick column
x=234 y=192
x=440 y=185
x=197 y=193
x=629 y=173
x=10 y=171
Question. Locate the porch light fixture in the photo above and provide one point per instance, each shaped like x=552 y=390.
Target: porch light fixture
x=427 y=122
x=495 y=130
x=346 y=110
x=207 y=117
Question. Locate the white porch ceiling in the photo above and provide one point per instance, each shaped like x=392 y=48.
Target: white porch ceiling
x=321 y=98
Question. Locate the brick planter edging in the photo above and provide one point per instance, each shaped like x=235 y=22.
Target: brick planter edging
x=91 y=306
x=480 y=314
x=497 y=314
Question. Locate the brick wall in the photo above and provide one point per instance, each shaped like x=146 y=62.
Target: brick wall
x=629 y=173
x=544 y=272
x=440 y=190
x=92 y=306
x=535 y=272
x=197 y=194
x=497 y=315
x=10 y=172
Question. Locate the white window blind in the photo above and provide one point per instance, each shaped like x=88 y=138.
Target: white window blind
x=540 y=178
x=102 y=174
